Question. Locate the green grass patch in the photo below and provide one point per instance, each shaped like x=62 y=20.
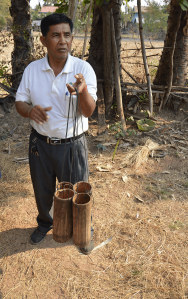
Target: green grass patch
x=176 y=225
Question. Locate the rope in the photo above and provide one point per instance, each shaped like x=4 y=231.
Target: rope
x=75 y=126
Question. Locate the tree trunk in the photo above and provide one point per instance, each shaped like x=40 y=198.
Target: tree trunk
x=96 y=43
x=117 y=77
x=118 y=27
x=86 y=29
x=100 y=52
x=144 y=58
x=164 y=64
x=72 y=9
x=181 y=55
x=108 y=60
x=100 y=56
x=75 y=10
x=23 y=41
x=167 y=93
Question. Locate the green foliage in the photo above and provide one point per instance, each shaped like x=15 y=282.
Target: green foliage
x=4 y=12
x=117 y=128
x=126 y=17
x=131 y=132
x=143 y=98
x=155 y=19
x=183 y=4
x=115 y=151
x=2 y=21
x=3 y=71
x=176 y=225
x=62 y=6
x=130 y=118
x=153 y=70
x=185 y=184
x=35 y=13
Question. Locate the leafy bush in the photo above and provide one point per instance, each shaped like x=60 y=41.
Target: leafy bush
x=155 y=19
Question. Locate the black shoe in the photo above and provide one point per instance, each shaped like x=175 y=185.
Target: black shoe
x=88 y=249
x=37 y=236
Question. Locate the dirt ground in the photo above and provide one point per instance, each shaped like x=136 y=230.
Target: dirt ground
x=141 y=210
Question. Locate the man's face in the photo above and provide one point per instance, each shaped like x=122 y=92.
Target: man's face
x=58 y=41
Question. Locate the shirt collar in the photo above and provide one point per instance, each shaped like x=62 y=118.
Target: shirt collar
x=46 y=65
x=68 y=68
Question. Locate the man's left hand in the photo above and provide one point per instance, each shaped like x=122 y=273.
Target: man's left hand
x=80 y=85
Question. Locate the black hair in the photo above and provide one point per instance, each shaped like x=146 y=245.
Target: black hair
x=54 y=19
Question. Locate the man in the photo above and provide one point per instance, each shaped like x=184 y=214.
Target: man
x=54 y=142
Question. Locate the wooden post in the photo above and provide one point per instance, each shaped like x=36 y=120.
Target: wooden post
x=117 y=77
x=101 y=109
x=86 y=30
x=108 y=71
x=144 y=57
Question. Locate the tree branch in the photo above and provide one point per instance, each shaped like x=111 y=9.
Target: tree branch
x=144 y=58
x=131 y=76
x=111 y=4
x=117 y=76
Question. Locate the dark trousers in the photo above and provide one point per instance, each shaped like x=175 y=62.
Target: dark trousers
x=50 y=161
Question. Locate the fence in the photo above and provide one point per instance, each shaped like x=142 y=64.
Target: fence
x=133 y=29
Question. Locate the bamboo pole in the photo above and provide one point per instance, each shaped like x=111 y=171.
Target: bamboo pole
x=117 y=76
x=144 y=58
x=86 y=30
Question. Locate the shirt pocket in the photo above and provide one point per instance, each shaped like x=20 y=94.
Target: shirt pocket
x=71 y=106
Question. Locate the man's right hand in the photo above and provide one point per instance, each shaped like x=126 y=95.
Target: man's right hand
x=38 y=114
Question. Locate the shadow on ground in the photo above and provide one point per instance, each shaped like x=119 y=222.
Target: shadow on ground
x=16 y=240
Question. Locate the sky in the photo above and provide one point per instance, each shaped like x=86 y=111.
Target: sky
x=33 y=3
x=143 y=3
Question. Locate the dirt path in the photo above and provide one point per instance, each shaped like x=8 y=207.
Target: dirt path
x=147 y=256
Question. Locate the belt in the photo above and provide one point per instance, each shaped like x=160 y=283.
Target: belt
x=55 y=140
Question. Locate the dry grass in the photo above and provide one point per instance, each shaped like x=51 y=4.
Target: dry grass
x=147 y=257
x=140 y=155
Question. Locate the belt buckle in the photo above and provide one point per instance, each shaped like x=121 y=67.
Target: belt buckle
x=55 y=141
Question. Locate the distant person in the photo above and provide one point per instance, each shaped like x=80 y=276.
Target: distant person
x=43 y=96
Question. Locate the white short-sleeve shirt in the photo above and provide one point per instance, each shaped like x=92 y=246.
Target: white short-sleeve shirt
x=39 y=86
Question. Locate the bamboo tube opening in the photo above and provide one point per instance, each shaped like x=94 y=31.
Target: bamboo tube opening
x=65 y=185
x=64 y=194
x=82 y=187
x=81 y=199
